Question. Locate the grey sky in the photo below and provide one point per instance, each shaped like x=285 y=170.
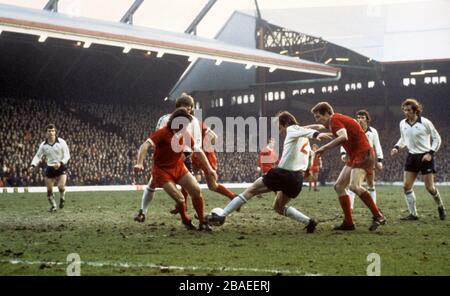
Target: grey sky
x=176 y=15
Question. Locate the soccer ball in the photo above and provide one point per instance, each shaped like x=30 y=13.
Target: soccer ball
x=216 y=217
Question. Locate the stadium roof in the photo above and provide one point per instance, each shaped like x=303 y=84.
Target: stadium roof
x=388 y=32
x=47 y=24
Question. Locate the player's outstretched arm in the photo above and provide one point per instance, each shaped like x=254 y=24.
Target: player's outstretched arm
x=341 y=138
x=142 y=153
x=317 y=127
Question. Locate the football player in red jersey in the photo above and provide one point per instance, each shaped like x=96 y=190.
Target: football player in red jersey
x=316 y=166
x=360 y=162
x=267 y=158
x=169 y=169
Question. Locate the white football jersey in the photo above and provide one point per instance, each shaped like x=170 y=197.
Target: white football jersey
x=421 y=137
x=296 y=148
x=56 y=153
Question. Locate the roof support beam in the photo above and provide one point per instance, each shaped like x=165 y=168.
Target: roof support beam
x=192 y=29
x=52 y=5
x=128 y=16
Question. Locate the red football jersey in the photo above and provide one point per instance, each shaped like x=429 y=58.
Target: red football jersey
x=164 y=156
x=270 y=158
x=357 y=139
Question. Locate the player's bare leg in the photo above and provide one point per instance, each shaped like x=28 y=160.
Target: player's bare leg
x=315 y=178
x=356 y=179
x=341 y=184
x=429 y=185
x=408 y=182
x=171 y=189
x=190 y=184
x=213 y=185
x=51 y=199
x=258 y=187
x=280 y=206
x=62 y=190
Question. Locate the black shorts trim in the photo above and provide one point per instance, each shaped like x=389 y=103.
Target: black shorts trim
x=288 y=182
x=415 y=164
x=50 y=171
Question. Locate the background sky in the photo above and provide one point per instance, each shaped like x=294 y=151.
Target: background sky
x=176 y=15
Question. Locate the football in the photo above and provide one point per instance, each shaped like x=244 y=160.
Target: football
x=216 y=217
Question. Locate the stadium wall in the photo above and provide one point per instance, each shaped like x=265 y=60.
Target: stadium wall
x=42 y=189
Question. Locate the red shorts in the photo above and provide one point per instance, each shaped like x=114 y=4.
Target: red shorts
x=161 y=176
x=212 y=159
x=363 y=160
x=314 y=170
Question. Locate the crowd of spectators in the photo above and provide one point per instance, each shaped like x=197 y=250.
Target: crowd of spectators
x=104 y=139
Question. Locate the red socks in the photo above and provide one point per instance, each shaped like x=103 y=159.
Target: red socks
x=183 y=213
x=368 y=201
x=344 y=200
x=199 y=207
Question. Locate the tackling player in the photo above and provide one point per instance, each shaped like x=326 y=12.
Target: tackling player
x=360 y=162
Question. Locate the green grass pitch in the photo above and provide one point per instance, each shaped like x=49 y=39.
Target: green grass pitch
x=99 y=227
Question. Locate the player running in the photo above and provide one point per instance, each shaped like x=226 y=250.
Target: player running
x=57 y=153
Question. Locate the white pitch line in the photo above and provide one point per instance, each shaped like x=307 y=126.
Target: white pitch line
x=161 y=267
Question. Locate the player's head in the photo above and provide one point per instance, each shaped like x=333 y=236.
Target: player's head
x=51 y=131
x=322 y=112
x=363 y=117
x=179 y=119
x=186 y=101
x=411 y=106
x=285 y=119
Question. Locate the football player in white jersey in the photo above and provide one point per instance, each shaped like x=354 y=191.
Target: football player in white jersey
x=363 y=118
x=286 y=179
x=418 y=134
x=57 y=153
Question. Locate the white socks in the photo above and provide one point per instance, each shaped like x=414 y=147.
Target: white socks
x=352 y=195
x=62 y=195
x=411 y=202
x=51 y=200
x=296 y=215
x=234 y=204
x=147 y=197
x=373 y=194
x=437 y=199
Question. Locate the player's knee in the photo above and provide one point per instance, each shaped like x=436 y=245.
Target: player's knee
x=431 y=189
x=195 y=192
x=356 y=189
x=61 y=188
x=338 y=187
x=407 y=189
x=213 y=186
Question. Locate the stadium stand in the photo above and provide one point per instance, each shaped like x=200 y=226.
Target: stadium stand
x=104 y=138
